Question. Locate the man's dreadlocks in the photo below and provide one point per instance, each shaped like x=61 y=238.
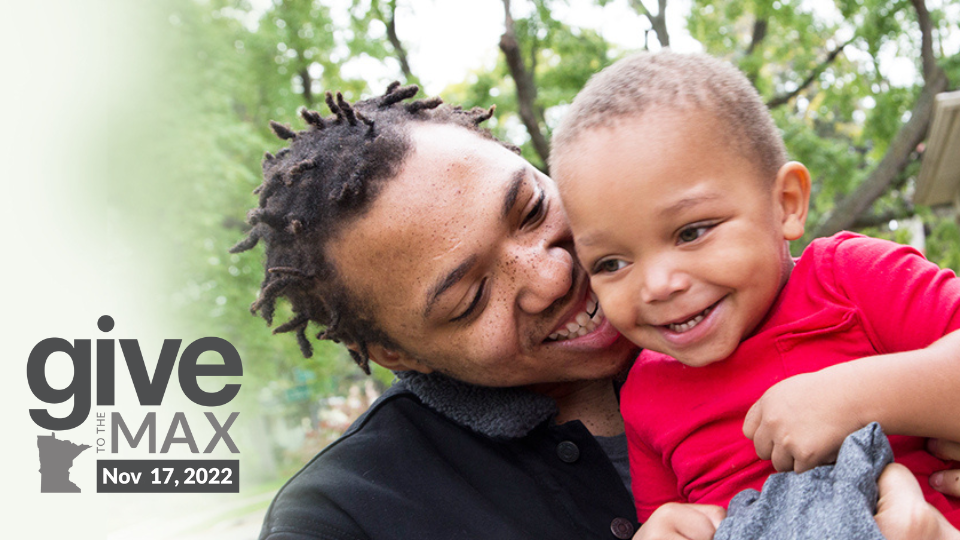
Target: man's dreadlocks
x=325 y=179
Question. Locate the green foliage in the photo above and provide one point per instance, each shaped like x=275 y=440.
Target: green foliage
x=562 y=58
x=841 y=125
x=943 y=242
x=368 y=34
x=228 y=80
x=237 y=67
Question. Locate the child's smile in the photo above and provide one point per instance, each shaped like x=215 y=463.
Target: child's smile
x=685 y=324
x=693 y=330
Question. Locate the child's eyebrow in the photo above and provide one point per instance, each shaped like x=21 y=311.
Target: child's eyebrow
x=687 y=202
x=591 y=238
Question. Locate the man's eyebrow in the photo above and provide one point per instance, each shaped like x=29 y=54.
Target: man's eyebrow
x=513 y=191
x=447 y=281
x=452 y=277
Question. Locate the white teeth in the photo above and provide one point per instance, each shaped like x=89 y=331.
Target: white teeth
x=582 y=324
x=689 y=324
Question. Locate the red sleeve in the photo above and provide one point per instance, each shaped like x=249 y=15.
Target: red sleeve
x=653 y=482
x=906 y=301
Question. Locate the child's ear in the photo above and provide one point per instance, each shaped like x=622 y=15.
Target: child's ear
x=391 y=359
x=792 y=190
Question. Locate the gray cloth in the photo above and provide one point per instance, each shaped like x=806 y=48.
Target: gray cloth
x=616 y=449
x=833 y=501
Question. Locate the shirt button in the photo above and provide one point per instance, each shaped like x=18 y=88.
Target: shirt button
x=568 y=452
x=621 y=528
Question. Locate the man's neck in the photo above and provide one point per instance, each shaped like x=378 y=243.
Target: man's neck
x=592 y=402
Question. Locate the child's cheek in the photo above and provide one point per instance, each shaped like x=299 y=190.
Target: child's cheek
x=618 y=309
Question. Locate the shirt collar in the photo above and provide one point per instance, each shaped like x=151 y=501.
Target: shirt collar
x=507 y=413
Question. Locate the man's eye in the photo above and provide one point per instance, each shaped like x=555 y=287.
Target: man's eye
x=477 y=298
x=536 y=212
x=609 y=266
x=690 y=234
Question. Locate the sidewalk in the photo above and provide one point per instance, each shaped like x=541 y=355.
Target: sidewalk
x=193 y=517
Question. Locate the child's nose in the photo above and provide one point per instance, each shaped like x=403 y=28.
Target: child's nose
x=662 y=281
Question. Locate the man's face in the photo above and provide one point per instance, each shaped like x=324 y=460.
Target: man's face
x=467 y=262
x=683 y=240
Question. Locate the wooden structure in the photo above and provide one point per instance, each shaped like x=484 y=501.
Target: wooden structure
x=939 y=180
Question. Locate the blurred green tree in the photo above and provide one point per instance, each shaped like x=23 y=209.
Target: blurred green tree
x=824 y=70
x=232 y=74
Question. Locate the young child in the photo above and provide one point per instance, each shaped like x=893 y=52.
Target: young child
x=682 y=204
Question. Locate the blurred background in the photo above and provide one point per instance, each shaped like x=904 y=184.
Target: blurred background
x=135 y=133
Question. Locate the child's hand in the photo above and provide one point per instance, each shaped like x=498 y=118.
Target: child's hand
x=676 y=521
x=947 y=482
x=800 y=422
x=903 y=514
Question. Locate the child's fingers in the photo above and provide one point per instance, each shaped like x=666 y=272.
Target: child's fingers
x=903 y=514
x=675 y=521
x=947 y=482
x=764 y=447
x=763 y=444
x=782 y=459
x=697 y=526
x=714 y=514
x=900 y=498
x=701 y=522
x=752 y=421
x=754 y=430
x=944 y=449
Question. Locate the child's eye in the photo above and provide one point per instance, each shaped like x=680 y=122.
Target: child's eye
x=690 y=234
x=609 y=266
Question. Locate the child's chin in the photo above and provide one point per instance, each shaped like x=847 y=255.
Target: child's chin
x=699 y=361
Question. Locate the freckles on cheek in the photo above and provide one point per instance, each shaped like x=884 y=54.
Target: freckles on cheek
x=491 y=340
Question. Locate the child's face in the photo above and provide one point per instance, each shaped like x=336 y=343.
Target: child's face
x=684 y=242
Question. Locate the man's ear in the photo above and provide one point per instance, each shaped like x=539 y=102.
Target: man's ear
x=792 y=191
x=391 y=359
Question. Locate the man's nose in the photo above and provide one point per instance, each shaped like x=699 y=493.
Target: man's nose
x=544 y=274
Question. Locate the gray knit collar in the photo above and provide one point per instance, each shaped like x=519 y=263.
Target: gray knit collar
x=495 y=412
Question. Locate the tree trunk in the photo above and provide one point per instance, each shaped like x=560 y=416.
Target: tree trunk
x=782 y=99
x=658 y=21
x=526 y=87
x=307 y=86
x=397 y=45
x=849 y=210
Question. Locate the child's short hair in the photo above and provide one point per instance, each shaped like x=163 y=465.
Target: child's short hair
x=631 y=86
